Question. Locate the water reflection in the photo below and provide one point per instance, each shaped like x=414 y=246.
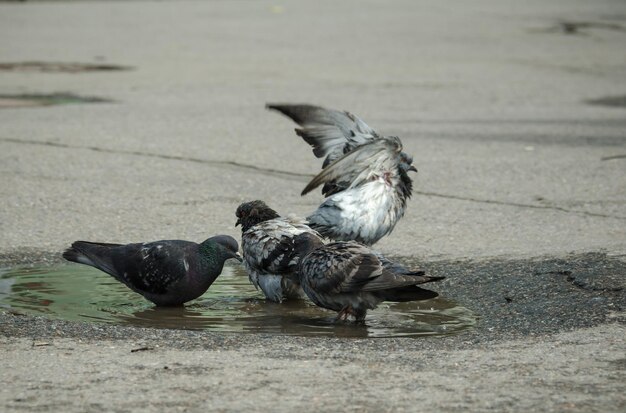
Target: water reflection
x=75 y=292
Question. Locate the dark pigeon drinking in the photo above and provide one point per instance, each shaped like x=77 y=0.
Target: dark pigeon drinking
x=167 y=272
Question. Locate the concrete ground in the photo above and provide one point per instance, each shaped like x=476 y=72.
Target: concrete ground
x=514 y=112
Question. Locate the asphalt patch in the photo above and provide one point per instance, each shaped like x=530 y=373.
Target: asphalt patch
x=60 y=67
x=582 y=27
x=537 y=296
x=514 y=298
x=611 y=101
x=34 y=100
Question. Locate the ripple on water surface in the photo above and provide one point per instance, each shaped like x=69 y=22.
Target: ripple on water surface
x=232 y=305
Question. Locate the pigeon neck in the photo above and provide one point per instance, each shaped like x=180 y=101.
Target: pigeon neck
x=406 y=185
x=209 y=252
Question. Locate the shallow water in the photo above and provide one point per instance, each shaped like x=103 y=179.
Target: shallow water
x=232 y=305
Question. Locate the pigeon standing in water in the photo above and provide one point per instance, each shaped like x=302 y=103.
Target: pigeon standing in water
x=269 y=255
x=365 y=175
x=168 y=272
x=350 y=278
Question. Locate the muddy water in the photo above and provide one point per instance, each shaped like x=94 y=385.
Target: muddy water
x=232 y=305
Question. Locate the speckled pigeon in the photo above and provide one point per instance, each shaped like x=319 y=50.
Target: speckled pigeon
x=365 y=175
x=267 y=241
x=168 y=272
x=350 y=278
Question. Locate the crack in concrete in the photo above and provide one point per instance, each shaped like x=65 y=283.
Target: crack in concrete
x=254 y=168
x=292 y=175
x=610 y=158
x=520 y=205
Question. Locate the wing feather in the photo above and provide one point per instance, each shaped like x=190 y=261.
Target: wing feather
x=268 y=247
x=349 y=267
x=373 y=159
x=329 y=131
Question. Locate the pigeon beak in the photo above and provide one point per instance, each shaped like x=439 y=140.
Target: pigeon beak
x=238 y=257
x=238 y=222
x=412 y=168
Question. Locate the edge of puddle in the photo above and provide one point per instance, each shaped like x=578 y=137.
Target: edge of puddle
x=546 y=295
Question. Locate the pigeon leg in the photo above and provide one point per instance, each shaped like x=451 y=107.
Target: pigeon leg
x=349 y=313
x=344 y=314
x=359 y=315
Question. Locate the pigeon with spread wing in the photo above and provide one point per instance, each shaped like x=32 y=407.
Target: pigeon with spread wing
x=364 y=176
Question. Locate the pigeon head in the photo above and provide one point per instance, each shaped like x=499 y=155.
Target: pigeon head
x=406 y=163
x=225 y=246
x=404 y=166
x=253 y=212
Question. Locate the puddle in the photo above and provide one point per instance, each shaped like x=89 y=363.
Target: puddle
x=31 y=100
x=231 y=305
x=580 y=27
x=611 y=101
x=60 y=67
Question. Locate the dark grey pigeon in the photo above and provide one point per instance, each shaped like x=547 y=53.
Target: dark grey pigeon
x=350 y=278
x=364 y=176
x=267 y=241
x=168 y=272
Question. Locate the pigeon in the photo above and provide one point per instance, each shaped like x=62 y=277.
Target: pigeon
x=364 y=175
x=350 y=278
x=167 y=272
x=269 y=257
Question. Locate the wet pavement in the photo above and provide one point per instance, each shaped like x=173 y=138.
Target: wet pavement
x=232 y=305
x=550 y=336
x=511 y=299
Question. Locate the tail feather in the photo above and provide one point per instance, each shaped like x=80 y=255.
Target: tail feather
x=90 y=244
x=409 y=279
x=419 y=274
x=298 y=113
x=74 y=255
x=93 y=254
x=422 y=272
x=411 y=293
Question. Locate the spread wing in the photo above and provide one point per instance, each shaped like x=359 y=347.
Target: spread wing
x=377 y=159
x=330 y=132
